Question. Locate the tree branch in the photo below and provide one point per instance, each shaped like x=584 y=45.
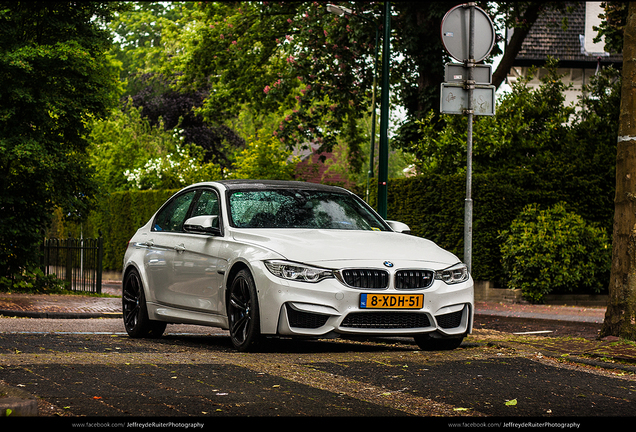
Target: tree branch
x=514 y=46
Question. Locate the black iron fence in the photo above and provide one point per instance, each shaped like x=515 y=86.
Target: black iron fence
x=77 y=261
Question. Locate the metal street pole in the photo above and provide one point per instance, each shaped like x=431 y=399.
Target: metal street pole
x=455 y=32
x=470 y=85
x=375 y=84
x=383 y=169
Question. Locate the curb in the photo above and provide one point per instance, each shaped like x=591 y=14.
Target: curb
x=59 y=315
x=17 y=403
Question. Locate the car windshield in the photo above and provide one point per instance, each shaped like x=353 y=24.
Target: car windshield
x=300 y=209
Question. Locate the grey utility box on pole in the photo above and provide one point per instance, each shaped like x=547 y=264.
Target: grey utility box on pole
x=467 y=89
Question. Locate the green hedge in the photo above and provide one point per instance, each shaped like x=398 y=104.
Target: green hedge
x=433 y=207
x=121 y=215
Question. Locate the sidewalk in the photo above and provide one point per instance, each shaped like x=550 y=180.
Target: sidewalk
x=79 y=306
x=62 y=306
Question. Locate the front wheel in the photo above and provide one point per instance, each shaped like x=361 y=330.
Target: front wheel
x=243 y=314
x=428 y=343
x=135 y=311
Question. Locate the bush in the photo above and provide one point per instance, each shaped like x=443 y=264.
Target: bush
x=32 y=281
x=554 y=250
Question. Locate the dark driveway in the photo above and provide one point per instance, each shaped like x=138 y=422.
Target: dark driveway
x=199 y=376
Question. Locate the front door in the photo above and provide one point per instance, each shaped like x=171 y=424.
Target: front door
x=183 y=267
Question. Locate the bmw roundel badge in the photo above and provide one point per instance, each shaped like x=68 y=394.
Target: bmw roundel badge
x=388 y=264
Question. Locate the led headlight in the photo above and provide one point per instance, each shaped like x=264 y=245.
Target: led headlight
x=298 y=272
x=454 y=274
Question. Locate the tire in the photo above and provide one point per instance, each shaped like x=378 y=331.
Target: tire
x=243 y=313
x=135 y=311
x=428 y=343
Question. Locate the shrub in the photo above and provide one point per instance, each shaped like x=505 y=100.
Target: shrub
x=553 y=250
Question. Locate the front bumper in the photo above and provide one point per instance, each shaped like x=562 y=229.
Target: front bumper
x=329 y=308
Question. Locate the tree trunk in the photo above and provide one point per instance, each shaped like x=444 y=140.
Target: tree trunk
x=620 y=318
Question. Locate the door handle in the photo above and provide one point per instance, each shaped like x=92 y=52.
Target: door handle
x=180 y=248
x=147 y=243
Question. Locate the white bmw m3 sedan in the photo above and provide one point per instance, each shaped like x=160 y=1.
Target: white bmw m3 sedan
x=267 y=259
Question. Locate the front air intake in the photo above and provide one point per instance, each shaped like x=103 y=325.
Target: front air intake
x=306 y=320
x=386 y=320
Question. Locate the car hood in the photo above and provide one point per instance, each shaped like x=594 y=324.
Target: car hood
x=337 y=248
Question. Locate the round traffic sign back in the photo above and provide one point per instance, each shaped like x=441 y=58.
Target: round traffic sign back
x=456 y=33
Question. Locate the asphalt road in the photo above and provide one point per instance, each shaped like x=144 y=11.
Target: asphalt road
x=91 y=368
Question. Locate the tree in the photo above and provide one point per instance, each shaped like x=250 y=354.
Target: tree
x=279 y=57
x=531 y=130
x=56 y=78
x=316 y=69
x=149 y=38
x=162 y=105
x=128 y=152
x=620 y=317
x=612 y=26
x=264 y=158
x=150 y=41
x=554 y=153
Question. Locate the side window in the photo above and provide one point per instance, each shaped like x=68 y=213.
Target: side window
x=207 y=205
x=172 y=216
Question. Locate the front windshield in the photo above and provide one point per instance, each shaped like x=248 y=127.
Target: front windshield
x=300 y=209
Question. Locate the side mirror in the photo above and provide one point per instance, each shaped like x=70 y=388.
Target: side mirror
x=202 y=225
x=399 y=227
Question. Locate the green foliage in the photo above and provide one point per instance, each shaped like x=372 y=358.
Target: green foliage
x=178 y=169
x=534 y=150
x=56 y=78
x=33 y=281
x=534 y=131
x=612 y=25
x=128 y=153
x=151 y=40
x=531 y=130
x=313 y=69
x=280 y=57
x=150 y=37
x=264 y=158
x=125 y=141
x=553 y=250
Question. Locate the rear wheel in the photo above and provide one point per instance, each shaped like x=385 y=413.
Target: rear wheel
x=243 y=314
x=428 y=343
x=135 y=311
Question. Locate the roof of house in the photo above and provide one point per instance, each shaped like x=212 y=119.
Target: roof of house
x=548 y=38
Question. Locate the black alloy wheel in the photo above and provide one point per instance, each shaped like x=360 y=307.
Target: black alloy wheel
x=135 y=312
x=243 y=313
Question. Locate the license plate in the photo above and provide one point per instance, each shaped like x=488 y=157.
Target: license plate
x=391 y=301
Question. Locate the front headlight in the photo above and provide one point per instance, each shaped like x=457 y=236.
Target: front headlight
x=298 y=272
x=454 y=274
